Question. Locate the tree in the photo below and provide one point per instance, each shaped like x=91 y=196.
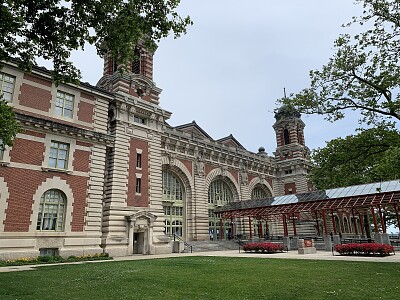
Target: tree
x=9 y=127
x=363 y=74
x=369 y=156
x=53 y=28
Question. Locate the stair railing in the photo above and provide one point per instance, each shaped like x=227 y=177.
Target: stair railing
x=177 y=237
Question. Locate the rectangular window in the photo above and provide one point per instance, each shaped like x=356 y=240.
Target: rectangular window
x=139 y=160
x=7 y=86
x=64 y=105
x=139 y=120
x=58 y=156
x=138 y=185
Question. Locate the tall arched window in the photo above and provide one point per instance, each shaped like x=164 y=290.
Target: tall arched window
x=51 y=211
x=259 y=192
x=173 y=204
x=219 y=194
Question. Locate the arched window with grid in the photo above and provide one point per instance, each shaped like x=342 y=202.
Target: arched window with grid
x=219 y=194
x=173 y=204
x=260 y=193
x=51 y=212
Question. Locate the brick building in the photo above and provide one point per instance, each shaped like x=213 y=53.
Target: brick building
x=98 y=168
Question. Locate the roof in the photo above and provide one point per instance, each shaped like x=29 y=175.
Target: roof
x=230 y=140
x=352 y=196
x=194 y=127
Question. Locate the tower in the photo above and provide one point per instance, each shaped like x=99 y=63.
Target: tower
x=292 y=155
x=136 y=79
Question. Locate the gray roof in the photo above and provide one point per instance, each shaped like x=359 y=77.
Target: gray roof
x=350 y=191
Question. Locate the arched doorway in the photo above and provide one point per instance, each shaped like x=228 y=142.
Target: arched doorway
x=219 y=194
x=173 y=204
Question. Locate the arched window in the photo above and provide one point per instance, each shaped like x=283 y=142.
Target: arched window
x=219 y=194
x=172 y=204
x=260 y=193
x=51 y=211
x=286 y=136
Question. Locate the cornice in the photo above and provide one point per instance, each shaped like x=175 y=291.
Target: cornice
x=53 y=126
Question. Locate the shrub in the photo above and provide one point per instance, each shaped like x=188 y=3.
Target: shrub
x=48 y=259
x=263 y=247
x=364 y=249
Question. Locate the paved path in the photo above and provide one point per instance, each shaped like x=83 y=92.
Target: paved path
x=320 y=255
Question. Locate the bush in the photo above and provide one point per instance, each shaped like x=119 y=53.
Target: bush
x=364 y=249
x=48 y=259
x=263 y=247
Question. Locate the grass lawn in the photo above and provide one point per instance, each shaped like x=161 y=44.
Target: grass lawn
x=206 y=278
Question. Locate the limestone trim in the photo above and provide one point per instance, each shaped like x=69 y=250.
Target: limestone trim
x=263 y=181
x=172 y=162
x=4 y=195
x=221 y=172
x=53 y=183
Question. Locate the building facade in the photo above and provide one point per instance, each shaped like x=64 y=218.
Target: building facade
x=98 y=168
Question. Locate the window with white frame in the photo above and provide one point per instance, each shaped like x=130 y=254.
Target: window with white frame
x=58 y=155
x=7 y=86
x=51 y=211
x=173 y=204
x=64 y=104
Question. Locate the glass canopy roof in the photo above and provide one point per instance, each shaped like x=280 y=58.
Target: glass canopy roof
x=351 y=191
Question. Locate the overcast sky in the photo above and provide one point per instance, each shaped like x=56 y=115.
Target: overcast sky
x=229 y=69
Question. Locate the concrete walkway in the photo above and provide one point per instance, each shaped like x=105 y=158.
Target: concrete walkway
x=320 y=255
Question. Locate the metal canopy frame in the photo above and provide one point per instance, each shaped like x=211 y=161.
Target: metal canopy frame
x=334 y=204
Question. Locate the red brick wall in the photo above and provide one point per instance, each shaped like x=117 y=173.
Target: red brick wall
x=292 y=186
x=235 y=175
x=27 y=152
x=41 y=81
x=84 y=144
x=81 y=160
x=34 y=97
x=87 y=96
x=51 y=119
x=208 y=169
x=188 y=165
x=34 y=133
x=85 y=112
x=20 y=203
x=141 y=200
x=250 y=178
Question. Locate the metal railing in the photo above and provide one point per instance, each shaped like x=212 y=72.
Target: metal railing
x=177 y=237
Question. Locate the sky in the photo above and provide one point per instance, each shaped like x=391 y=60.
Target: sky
x=229 y=69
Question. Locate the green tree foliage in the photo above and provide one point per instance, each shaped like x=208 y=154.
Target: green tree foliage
x=9 y=126
x=371 y=155
x=52 y=29
x=363 y=74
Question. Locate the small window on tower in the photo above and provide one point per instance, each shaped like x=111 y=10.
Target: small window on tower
x=286 y=137
x=138 y=185
x=139 y=161
x=136 y=62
